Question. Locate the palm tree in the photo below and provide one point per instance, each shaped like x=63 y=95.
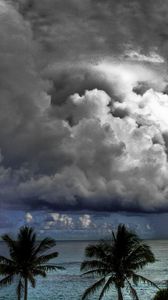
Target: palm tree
x=115 y=262
x=161 y=295
x=27 y=259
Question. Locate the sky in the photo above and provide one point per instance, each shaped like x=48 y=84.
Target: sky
x=84 y=116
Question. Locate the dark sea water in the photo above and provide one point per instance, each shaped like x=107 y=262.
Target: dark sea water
x=69 y=285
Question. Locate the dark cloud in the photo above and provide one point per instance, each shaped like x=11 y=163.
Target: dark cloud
x=87 y=135
x=70 y=30
x=76 y=79
x=120 y=113
x=141 y=88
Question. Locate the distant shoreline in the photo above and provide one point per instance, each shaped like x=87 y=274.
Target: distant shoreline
x=58 y=240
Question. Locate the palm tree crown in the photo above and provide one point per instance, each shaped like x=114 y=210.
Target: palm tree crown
x=27 y=259
x=115 y=262
x=161 y=295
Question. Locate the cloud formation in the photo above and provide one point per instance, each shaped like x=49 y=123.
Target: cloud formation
x=90 y=226
x=81 y=136
x=80 y=225
x=86 y=30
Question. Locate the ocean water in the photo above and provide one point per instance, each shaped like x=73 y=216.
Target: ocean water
x=69 y=285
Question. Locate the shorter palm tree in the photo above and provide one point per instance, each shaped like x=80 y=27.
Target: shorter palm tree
x=115 y=262
x=27 y=259
x=161 y=295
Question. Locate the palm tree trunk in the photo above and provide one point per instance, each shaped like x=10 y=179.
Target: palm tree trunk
x=120 y=296
x=26 y=289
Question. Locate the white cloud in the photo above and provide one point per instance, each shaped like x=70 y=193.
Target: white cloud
x=60 y=221
x=153 y=57
x=28 y=218
x=85 y=221
x=92 y=105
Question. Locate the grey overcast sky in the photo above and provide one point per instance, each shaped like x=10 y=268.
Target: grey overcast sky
x=84 y=115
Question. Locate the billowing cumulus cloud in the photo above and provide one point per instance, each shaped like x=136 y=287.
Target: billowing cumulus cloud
x=113 y=163
x=88 y=135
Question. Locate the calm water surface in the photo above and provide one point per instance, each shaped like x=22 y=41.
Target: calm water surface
x=68 y=285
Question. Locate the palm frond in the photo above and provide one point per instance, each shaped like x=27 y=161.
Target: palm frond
x=44 y=245
x=19 y=289
x=161 y=294
x=140 y=256
x=9 y=242
x=39 y=272
x=48 y=267
x=137 y=278
x=91 y=264
x=119 y=292
x=132 y=291
x=45 y=258
x=93 y=288
x=26 y=232
x=7 y=280
x=97 y=251
x=113 y=236
x=6 y=260
x=127 y=234
x=96 y=272
x=32 y=280
x=106 y=287
x=8 y=269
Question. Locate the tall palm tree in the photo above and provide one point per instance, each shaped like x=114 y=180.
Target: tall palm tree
x=27 y=259
x=115 y=262
x=161 y=295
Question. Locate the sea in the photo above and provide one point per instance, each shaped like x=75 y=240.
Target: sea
x=69 y=285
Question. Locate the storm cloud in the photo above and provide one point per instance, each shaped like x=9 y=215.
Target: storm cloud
x=83 y=109
x=86 y=30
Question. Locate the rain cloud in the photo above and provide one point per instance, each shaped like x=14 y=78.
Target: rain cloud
x=83 y=109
